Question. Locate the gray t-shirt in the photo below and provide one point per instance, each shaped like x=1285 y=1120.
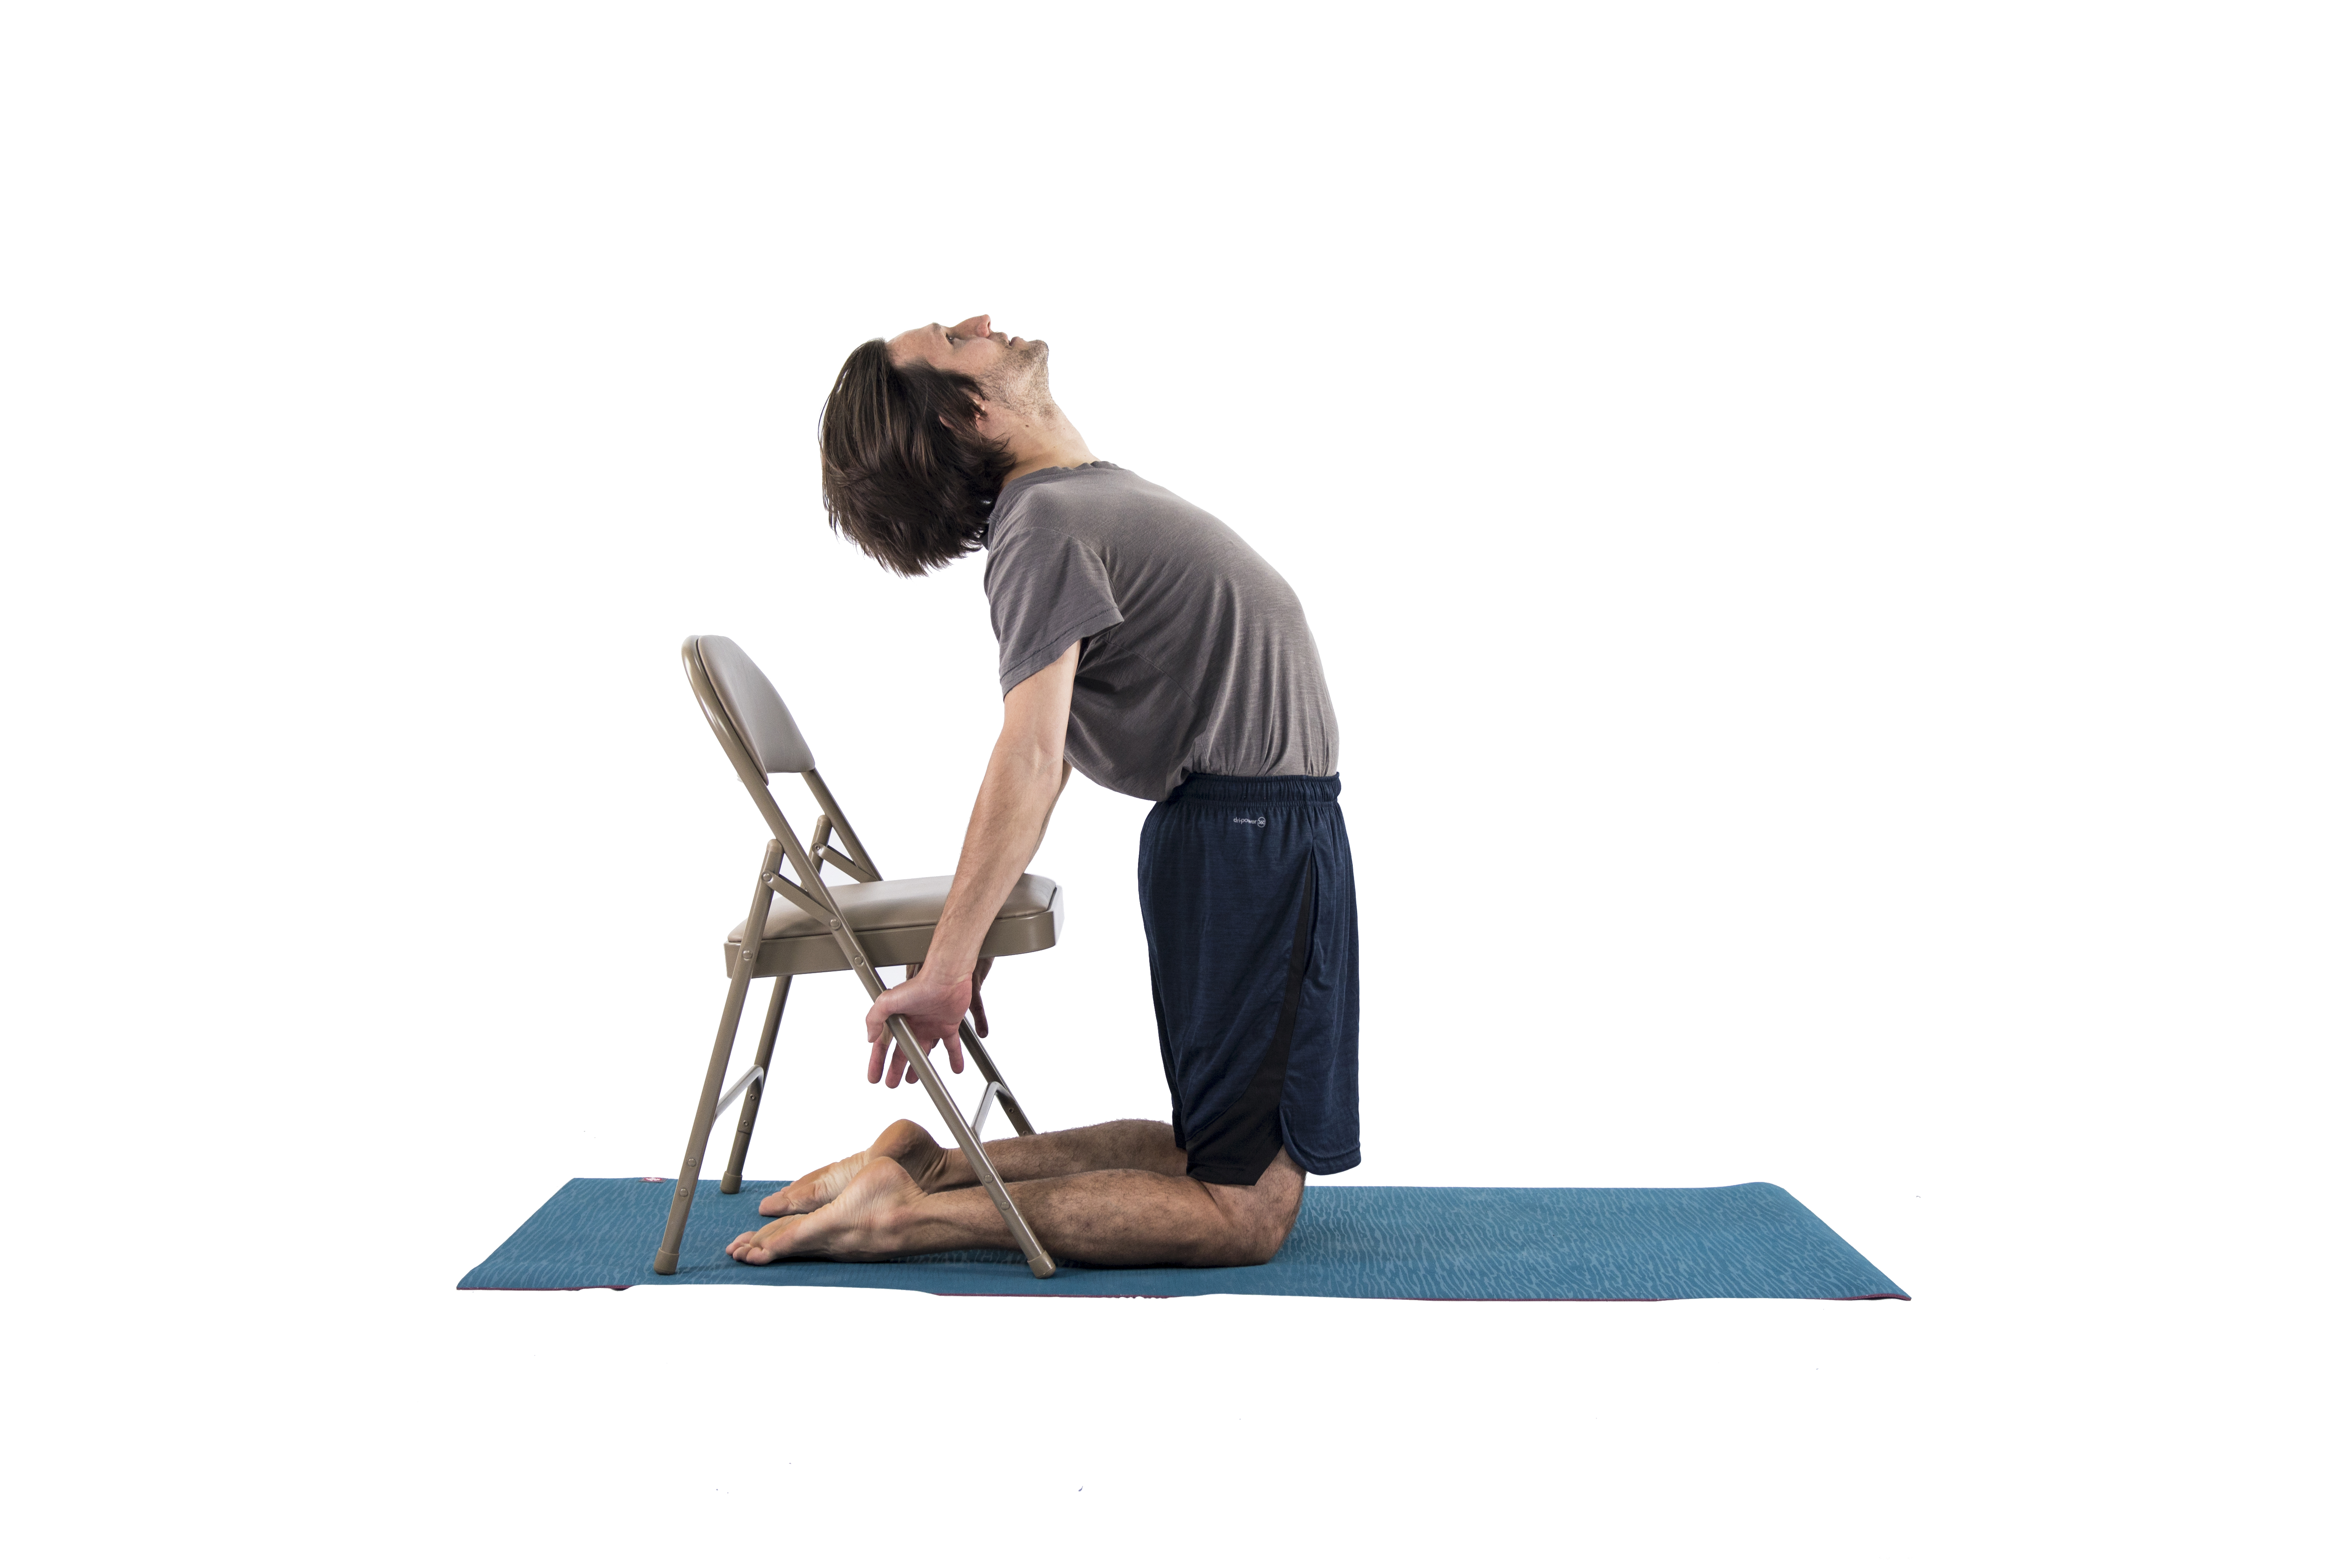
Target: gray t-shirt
x=1197 y=655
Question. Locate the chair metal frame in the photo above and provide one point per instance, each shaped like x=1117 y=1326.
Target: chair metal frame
x=805 y=887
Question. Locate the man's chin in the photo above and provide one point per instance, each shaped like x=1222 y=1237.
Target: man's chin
x=1022 y=378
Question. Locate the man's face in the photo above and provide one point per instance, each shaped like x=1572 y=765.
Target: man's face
x=1010 y=371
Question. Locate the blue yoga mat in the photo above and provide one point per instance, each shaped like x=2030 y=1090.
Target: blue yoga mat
x=1512 y=1244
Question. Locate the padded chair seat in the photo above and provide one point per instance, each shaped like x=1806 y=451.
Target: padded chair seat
x=894 y=919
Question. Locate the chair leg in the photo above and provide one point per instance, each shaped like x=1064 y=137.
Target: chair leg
x=732 y=1181
x=706 y=1109
x=1040 y=1262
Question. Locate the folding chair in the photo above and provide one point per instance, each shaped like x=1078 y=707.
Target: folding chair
x=798 y=925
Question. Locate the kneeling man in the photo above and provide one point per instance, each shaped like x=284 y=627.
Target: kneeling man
x=1143 y=643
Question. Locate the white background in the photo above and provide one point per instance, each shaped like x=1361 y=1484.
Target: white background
x=1826 y=530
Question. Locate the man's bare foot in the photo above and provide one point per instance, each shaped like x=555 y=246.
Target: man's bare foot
x=917 y=1152
x=817 y=1188
x=858 y=1225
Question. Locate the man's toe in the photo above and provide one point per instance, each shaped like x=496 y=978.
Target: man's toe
x=763 y=1246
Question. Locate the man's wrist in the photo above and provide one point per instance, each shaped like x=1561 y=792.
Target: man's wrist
x=948 y=970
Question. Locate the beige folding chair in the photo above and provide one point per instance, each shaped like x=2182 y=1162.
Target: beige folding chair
x=815 y=928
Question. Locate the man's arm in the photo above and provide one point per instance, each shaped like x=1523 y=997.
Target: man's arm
x=1024 y=778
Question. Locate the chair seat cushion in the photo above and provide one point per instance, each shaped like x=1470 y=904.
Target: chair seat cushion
x=894 y=919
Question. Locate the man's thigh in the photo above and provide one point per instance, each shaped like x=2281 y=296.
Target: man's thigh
x=1249 y=912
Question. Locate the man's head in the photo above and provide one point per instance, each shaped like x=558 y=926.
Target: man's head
x=1011 y=371
x=919 y=435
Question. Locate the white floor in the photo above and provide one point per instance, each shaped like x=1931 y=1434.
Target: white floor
x=1826 y=537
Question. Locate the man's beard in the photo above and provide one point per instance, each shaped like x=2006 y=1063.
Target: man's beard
x=1018 y=381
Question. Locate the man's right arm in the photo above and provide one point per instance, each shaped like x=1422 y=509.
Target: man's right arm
x=1024 y=779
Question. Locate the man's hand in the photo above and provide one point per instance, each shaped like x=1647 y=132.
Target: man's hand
x=877 y=1027
x=932 y=1009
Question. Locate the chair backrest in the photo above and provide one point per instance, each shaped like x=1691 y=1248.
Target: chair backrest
x=763 y=726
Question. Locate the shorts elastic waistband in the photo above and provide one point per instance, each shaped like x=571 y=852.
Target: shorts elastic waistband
x=1289 y=789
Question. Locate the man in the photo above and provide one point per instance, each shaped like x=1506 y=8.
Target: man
x=1143 y=642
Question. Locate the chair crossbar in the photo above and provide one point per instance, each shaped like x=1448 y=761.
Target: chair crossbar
x=856 y=867
x=988 y=1099
x=801 y=897
x=987 y=1064
x=740 y=1084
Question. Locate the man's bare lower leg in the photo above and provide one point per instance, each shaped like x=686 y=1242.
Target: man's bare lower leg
x=1110 y=1218
x=1108 y=1146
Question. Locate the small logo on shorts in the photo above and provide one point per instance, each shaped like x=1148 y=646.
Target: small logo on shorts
x=1251 y=821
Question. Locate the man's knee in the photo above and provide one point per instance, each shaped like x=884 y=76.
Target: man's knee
x=1265 y=1237
x=1258 y=1218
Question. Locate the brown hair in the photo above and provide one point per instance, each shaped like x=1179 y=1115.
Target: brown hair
x=908 y=478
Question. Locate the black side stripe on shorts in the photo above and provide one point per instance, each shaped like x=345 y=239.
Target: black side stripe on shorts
x=1242 y=1143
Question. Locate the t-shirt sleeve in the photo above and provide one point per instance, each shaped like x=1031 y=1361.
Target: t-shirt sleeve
x=1045 y=591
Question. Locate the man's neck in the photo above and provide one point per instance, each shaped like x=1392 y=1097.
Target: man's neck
x=1046 y=440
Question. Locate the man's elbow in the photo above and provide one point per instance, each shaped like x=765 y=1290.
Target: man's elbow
x=1032 y=758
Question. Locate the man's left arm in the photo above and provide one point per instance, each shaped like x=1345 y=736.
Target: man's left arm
x=1024 y=778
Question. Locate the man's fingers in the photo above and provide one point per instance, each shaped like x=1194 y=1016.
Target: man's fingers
x=979 y=1018
x=903 y=1066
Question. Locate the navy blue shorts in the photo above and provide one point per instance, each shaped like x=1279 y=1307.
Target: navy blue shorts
x=1249 y=910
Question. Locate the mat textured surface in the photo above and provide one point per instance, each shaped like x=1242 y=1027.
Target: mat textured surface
x=1520 y=1244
